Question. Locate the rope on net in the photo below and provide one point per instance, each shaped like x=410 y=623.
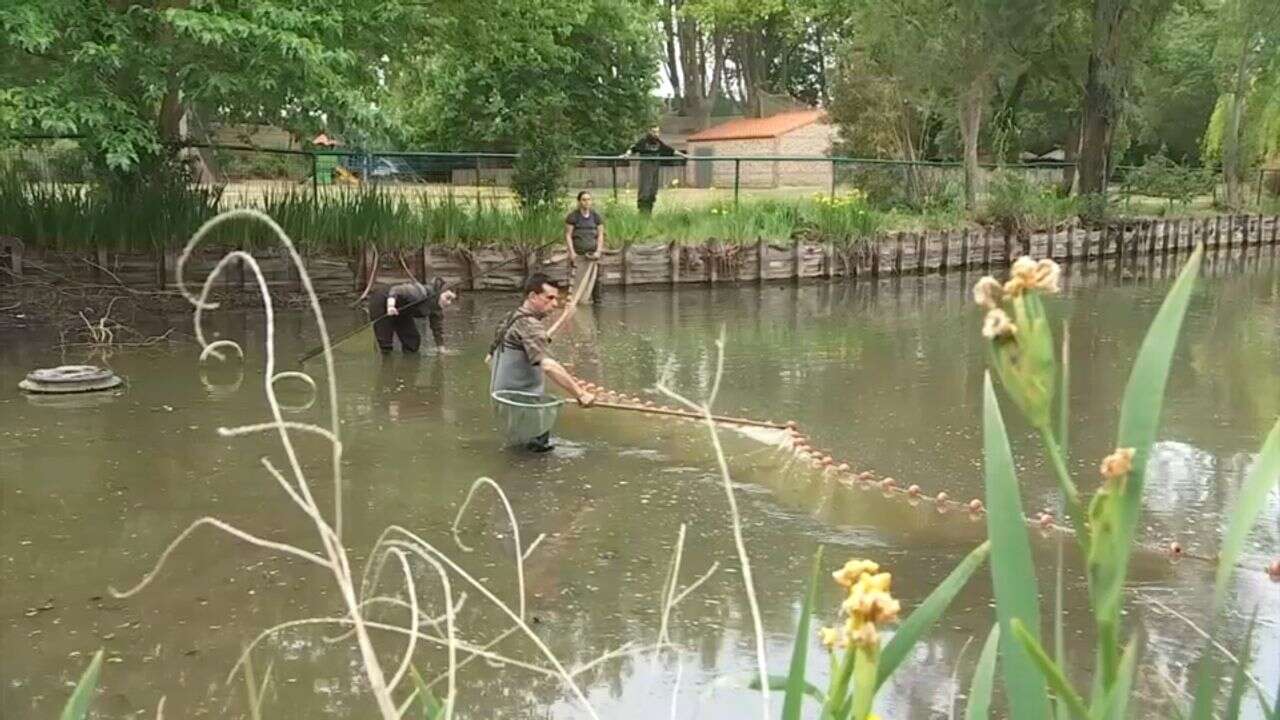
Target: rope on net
x=797 y=441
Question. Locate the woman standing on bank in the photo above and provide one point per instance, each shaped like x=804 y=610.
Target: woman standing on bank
x=584 y=236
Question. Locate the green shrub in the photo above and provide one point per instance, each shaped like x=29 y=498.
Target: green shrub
x=846 y=218
x=542 y=167
x=1019 y=207
x=1162 y=178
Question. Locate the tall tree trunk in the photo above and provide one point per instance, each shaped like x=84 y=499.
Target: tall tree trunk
x=1232 y=155
x=169 y=121
x=716 y=88
x=1070 y=151
x=693 y=64
x=972 y=98
x=752 y=62
x=823 y=93
x=1099 y=115
x=669 y=32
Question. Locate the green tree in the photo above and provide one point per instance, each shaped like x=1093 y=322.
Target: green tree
x=957 y=50
x=474 y=73
x=761 y=38
x=541 y=170
x=1246 y=53
x=1119 y=37
x=1176 y=87
x=125 y=74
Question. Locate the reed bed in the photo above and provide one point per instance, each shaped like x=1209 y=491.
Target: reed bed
x=160 y=215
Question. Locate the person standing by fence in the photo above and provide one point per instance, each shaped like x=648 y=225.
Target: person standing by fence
x=584 y=236
x=651 y=150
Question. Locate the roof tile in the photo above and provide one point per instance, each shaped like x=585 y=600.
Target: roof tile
x=754 y=128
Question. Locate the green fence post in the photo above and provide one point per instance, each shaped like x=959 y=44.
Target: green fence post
x=1261 y=177
x=613 y=170
x=833 y=178
x=477 y=181
x=315 y=180
x=737 y=166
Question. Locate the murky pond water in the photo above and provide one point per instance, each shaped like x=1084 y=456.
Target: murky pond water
x=886 y=374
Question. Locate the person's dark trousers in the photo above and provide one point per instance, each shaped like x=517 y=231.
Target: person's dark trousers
x=645 y=205
x=597 y=293
x=387 y=328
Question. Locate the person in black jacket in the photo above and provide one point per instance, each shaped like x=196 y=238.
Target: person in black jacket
x=394 y=308
x=650 y=146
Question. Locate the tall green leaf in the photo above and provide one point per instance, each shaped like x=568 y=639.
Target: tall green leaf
x=1059 y=644
x=1118 y=703
x=429 y=707
x=1051 y=671
x=1240 y=680
x=1064 y=399
x=77 y=707
x=1013 y=573
x=1263 y=476
x=1206 y=691
x=919 y=621
x=1140 y=417
x=979 y=705
x=793 y=698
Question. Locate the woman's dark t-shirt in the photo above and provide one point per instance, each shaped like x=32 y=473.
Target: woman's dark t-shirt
x=584 y=229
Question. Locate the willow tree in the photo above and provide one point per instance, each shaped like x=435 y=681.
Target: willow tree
x=1245 y=126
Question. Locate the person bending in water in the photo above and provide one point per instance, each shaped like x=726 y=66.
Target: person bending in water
x=519 y=359
x=393 y=309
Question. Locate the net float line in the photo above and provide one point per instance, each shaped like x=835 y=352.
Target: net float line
x=664 y=410
x=799 y=443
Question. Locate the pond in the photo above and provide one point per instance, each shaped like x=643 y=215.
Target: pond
x=885 y=375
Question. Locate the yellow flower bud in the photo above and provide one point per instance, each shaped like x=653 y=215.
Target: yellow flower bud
x=852 y=570
x=1117 y=464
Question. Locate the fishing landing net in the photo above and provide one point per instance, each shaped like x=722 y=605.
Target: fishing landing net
x=524 y=416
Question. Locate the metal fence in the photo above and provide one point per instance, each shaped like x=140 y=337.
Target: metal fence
x=247 y=174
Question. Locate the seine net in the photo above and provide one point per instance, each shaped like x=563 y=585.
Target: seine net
x=524 y=416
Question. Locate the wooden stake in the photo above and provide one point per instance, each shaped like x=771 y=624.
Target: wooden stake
x=762 y=272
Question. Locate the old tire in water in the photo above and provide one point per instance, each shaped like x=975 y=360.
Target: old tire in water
x=70 y=379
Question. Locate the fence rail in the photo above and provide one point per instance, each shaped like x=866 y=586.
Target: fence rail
x=247 y=172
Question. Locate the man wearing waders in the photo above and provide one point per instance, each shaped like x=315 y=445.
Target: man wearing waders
x=650 y=146
x=584 y=236
x=518 y=359
x=393 y=309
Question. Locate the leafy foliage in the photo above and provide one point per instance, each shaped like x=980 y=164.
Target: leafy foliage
x=542 y=167
x=1161 y=177
x=122 y=74
x=1018 y=206
x=475 y=75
